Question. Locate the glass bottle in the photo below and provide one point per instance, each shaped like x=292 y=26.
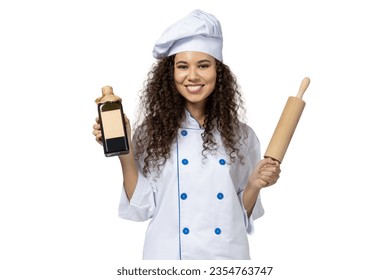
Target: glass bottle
x=112 y=123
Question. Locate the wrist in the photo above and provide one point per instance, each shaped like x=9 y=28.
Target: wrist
x=254 y=187
x=124 y=157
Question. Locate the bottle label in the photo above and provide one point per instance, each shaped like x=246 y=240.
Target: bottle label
x=112 y=124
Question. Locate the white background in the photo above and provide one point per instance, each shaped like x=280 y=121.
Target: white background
x=328 y=216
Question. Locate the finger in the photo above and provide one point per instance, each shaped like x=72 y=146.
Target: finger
x=98 y=138
x=96 y=132
x=267 y=162
x=269 y=176
x=271 y=161
x=263 y=183
x=261 y=164
x=270 y=170
x=268 y=180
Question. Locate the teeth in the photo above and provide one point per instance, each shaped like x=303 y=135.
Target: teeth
x=194 y=88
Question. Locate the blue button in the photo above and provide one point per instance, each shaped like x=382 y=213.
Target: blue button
x=184 y=132
x=222 y=162
x=186 y=230
x=217 y=231
x=184 y=161
x=220 y=196
x=183 y=196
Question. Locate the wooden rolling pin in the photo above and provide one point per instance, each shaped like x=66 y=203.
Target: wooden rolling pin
x=287 y=123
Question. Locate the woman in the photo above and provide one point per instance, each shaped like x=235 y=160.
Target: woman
x=194 y=169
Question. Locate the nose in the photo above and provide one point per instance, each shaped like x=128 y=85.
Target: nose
x=193 y=74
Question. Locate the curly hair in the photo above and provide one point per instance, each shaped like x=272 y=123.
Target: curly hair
x=162 y=110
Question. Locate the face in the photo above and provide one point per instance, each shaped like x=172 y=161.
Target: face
x=195 y=76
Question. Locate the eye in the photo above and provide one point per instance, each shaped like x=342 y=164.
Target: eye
x=204 y=65
x=182 y=66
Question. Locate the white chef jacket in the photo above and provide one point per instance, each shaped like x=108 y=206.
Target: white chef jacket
x=195 y=204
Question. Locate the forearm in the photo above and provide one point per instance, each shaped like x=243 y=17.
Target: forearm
x=130 y=173
x=265 y=174
x=249 y=198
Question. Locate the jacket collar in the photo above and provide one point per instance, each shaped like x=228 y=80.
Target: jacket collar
x=190 y=121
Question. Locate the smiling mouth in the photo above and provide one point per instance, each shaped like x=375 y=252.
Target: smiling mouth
x=194 y=88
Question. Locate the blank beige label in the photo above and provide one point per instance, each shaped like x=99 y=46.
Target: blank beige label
x=112 y=124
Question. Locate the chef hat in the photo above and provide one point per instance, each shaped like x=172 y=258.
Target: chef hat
x=199 y=31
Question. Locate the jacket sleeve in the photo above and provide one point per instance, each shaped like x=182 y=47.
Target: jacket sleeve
x=257 y=212
x=252 y=156
x=142 y=205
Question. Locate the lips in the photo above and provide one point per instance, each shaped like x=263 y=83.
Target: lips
x=194 y=88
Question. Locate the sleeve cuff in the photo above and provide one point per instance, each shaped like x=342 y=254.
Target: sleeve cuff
x=257 y=212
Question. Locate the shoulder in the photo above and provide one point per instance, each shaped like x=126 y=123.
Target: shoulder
x=248 y=137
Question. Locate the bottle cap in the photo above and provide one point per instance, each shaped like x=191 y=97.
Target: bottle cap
x=107 y=96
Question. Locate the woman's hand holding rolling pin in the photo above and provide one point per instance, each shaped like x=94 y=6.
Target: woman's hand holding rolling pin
x=265 y=174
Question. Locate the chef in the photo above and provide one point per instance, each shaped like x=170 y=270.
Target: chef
x=194 y=170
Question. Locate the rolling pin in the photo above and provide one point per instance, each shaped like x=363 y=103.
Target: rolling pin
x=288 y=121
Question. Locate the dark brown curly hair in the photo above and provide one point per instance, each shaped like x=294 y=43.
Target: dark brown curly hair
x=162 y=111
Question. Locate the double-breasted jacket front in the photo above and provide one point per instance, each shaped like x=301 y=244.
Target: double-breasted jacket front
x=195 y=203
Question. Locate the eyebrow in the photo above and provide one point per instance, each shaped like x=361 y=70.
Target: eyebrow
x=200 y=61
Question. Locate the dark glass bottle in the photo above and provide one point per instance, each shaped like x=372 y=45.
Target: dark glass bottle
x=113 y=126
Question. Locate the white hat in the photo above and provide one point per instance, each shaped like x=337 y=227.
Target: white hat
x=199 y=31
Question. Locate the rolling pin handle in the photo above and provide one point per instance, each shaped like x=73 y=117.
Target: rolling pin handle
x=304 y=84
